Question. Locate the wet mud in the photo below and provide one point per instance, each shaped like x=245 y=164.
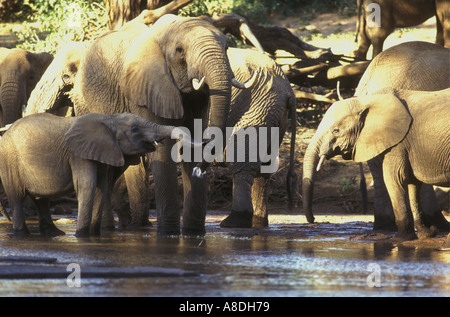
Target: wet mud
x=340 y=255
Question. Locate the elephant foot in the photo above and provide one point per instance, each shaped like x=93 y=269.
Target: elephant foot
x=260 y=222
x=425 y=232
x=237 y=219
x=310 y=218
x=48 y=230
x=110 y=228
x=139 y=225
x=82 y=233
x=405 y=236
x=438 y=220
x=193 y=232
x=23 y=232
x=384 y=223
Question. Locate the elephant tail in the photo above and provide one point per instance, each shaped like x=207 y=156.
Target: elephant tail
x=291 y=178
x=3 y=211
x=358 y=23
x=363 y=189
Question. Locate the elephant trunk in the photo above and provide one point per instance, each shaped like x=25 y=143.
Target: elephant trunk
x=310 y=163
x=13 y=98
x=47 y=94
x=217 y=72
x=168 y=131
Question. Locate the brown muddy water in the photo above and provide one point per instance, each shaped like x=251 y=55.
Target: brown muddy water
x=340 y=255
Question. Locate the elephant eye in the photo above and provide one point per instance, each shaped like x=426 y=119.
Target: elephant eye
x=179 y=49
x=336 y=131
x=134 y=129
x=65 y=78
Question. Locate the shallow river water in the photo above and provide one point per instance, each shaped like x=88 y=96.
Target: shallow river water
x=340 y=255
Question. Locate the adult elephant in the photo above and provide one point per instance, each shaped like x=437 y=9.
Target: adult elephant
x=257 y=112
x=412 y=66
x=52 y=90
x=152 y=72
x=20 y=70
x=392 y=14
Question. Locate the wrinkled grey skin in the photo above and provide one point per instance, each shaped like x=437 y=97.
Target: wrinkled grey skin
x=414 y=145
x=20 y=70
x=44 y=156
x=149 y=72
x=397 y=14
x=413 y=66
x=51 y=92
x=51 y=95
x=268 y=103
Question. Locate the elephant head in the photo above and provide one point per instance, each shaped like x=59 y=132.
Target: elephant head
x=51 y=92
x=20 y=70
x=176 y=57
x=110 y=139
x=359 y=128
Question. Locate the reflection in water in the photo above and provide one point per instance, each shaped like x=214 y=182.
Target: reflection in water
x=283 y=260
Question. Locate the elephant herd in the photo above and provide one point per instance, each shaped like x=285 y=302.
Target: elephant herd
x=117 y=105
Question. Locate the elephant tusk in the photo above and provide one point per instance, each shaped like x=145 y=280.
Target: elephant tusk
x=245 y=85
x=338 y=90
x=198 y=84
x=5 y=128
x=322 y=158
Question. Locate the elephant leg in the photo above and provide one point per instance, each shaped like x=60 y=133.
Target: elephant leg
x=414 y=192
x=165 y=177
x=84 y=176
x=383 y=213
x=195 y=201
x=431 y=209
x=97 y=210
x=439 y=32
x=108 y=217
x=363 y=46
x=138 y=194
x=259 y=198
x=242 y=209
x=397 y=190
x=16 y=202
x=19 y=226
x=46 y=225
x=120 y=202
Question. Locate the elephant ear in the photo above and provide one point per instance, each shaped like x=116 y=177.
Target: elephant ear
x=386 y=123
x=40 y=61
x=146 y=79
x=91 y=137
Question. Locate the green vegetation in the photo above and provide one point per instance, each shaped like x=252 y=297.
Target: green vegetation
x=258 y=10
x=47 y=24
x=348 y=186
x=55 y=22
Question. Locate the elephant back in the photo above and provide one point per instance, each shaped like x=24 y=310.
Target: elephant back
x=101 y=68
x=266 y=101
x=411 y=66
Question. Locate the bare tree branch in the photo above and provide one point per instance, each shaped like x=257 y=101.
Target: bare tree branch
x=151 y=16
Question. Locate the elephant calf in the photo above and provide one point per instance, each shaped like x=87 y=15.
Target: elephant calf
x=44 y=156
x=408 y=129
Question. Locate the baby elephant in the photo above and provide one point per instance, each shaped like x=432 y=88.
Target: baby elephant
x=44 y=156
x=409 y=129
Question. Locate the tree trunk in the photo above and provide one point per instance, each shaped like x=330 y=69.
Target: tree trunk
x=122 y=11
